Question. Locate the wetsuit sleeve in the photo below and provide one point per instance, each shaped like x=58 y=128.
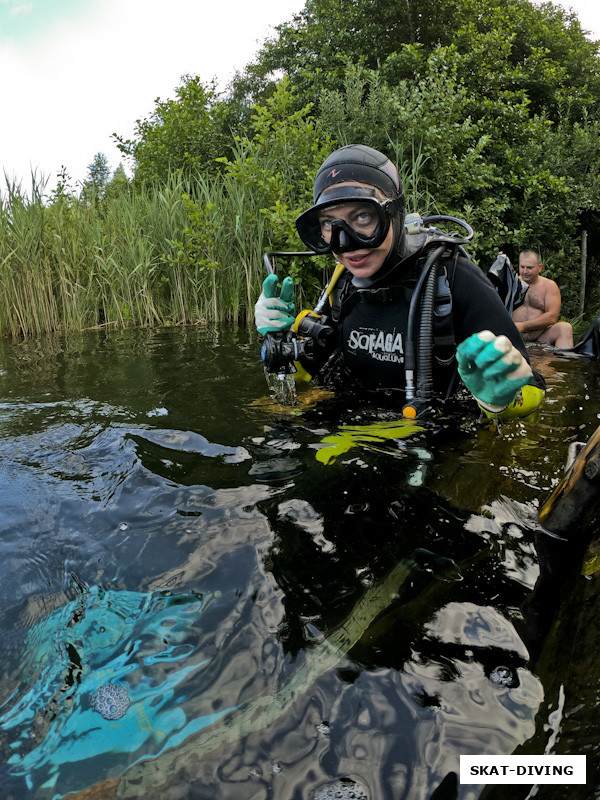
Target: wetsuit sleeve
x=476 y=306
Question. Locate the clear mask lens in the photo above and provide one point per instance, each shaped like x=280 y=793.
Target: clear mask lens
x=343 y=226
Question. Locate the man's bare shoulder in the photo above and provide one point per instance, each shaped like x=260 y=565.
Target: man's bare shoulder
x=547 y=282
x=543 y=287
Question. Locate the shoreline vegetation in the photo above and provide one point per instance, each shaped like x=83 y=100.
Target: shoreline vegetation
x=492 y=118
x=134 y=261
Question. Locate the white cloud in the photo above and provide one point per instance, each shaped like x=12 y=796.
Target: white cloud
x=21 y=10
x=588 y=12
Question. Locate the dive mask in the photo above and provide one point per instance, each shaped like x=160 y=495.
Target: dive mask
x=345 y=219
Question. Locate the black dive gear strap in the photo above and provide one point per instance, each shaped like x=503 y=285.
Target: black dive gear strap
x=430 y=342
x=363 y=221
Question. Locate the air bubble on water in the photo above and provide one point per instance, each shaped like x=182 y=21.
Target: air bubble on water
x=344 y=789
x=283 y=388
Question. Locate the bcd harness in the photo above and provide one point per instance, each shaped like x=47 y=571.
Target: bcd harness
x=426 y=289
x=345 y=296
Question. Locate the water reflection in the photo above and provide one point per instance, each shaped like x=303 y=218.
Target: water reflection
x=371 y=613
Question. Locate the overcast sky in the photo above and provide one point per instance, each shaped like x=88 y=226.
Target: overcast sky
x=73 y=72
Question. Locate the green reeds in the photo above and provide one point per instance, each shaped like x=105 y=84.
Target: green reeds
x=27 y=302
x=188 y=252
x=184 y=253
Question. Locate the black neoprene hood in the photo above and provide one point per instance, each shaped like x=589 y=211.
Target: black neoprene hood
x=357 y=162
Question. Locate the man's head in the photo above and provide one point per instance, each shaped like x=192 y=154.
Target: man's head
x=530 y=266
x=358 y=210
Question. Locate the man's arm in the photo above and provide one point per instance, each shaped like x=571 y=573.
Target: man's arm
x=550 y=314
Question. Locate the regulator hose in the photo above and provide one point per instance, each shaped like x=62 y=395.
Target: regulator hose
x=425 y=344
x=428 y=275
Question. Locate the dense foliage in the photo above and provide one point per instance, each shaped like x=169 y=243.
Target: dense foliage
x=492 y=102
x=487 y=106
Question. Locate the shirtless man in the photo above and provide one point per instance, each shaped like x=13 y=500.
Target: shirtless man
x=537 y=318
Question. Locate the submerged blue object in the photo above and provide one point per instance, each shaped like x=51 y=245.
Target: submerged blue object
x=101 y=680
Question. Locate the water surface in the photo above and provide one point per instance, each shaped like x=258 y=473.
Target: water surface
x=289 y=601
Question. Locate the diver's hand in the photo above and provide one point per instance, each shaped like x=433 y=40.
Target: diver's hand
x=492 y=369
x=272 y=313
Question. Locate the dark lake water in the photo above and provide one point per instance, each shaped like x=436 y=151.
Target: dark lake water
x=205 y=595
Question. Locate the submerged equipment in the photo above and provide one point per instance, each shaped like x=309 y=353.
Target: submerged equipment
x=104 y=683
x=567 y=523
x=589 y=344
x=574 y=505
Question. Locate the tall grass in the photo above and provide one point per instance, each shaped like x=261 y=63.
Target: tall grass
x=187 y=252
x=69 y=265
x=27 y=301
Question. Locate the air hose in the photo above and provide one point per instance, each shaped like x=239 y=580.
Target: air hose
x=425 y=345
x=418 y=397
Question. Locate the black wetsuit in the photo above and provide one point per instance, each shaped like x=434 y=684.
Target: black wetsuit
x=367 y=347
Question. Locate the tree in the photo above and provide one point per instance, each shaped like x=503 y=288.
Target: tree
x=547 y=54
x=273 y=166
x=118 y=186
x=97 y=179
x=187 y=133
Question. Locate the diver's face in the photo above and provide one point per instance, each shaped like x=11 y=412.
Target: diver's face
x=365 y=261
